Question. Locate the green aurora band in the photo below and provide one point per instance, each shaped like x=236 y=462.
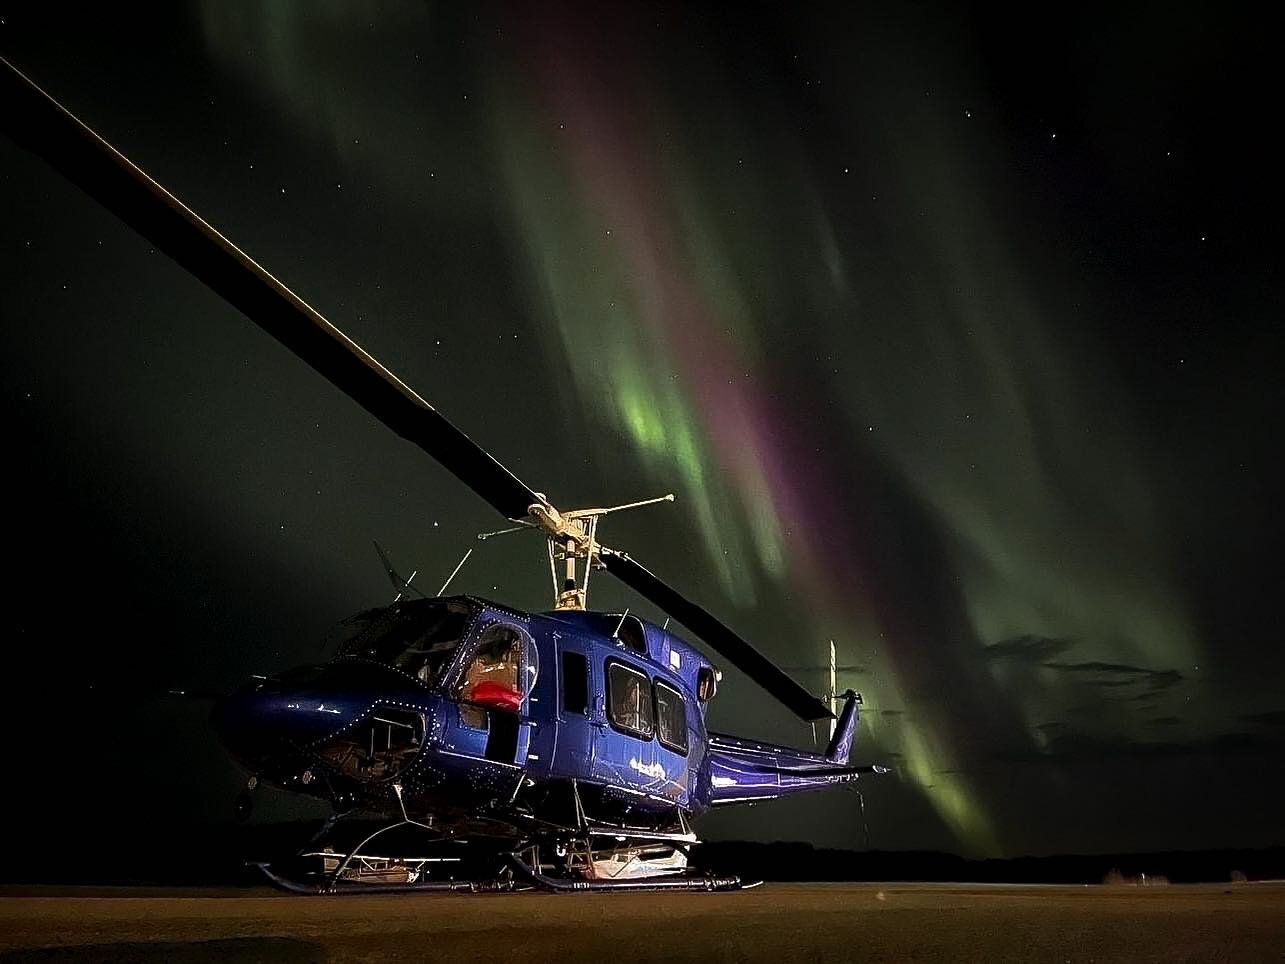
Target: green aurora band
x=758 y=318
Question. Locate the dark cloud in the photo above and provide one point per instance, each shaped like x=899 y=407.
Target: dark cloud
x=1084 y=747
x=1028 y=649
x=1033 y=650
x=1122 y=674
x=1145 y=697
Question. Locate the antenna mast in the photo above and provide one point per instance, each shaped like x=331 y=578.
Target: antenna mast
x=834 y=689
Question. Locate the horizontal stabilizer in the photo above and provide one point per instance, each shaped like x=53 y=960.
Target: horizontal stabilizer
x=846 y=730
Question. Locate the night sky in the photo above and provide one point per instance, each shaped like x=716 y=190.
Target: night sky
x=956 y=333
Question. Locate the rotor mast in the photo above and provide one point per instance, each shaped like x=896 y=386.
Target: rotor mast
x=572 y=538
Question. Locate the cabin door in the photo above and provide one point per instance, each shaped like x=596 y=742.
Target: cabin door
x=542 y=710
x=625 y=728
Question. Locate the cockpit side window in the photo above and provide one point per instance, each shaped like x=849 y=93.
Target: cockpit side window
x=502 y=670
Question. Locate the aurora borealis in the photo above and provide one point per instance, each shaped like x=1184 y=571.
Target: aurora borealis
x=956 y=338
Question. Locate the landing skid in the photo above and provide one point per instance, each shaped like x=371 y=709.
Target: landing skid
x=325 y=871
x=667 y=882
x=330 y=887
x=627 y=859
x=523 y=877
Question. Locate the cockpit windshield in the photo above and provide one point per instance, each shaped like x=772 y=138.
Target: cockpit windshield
x=418 y=638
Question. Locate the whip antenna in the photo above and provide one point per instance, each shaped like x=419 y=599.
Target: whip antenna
x=458 y=567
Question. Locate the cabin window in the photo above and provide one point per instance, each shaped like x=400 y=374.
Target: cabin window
x=629 y=630
x=630 y=701
x=671 y=718
x=706 y=683
x=575 y=682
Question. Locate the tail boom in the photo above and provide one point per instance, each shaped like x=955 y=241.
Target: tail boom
x=744 y=771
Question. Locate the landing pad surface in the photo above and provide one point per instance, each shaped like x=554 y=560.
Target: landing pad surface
x=777 y=922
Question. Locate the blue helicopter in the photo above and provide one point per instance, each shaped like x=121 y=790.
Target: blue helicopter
x=570 y=745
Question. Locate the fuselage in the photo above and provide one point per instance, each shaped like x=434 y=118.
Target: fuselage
x=479 y=712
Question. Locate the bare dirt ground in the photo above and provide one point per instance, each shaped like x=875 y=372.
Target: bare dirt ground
x=779 y=922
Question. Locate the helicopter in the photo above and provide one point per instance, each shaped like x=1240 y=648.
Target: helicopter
x=568 y=746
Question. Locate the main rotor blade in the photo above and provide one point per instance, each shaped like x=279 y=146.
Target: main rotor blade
x=36 y=121
x=717 y=634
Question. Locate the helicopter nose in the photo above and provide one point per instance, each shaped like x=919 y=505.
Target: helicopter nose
x=269 y=722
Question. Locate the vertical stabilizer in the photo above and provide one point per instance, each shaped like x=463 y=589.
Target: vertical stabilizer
x=845 y=730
